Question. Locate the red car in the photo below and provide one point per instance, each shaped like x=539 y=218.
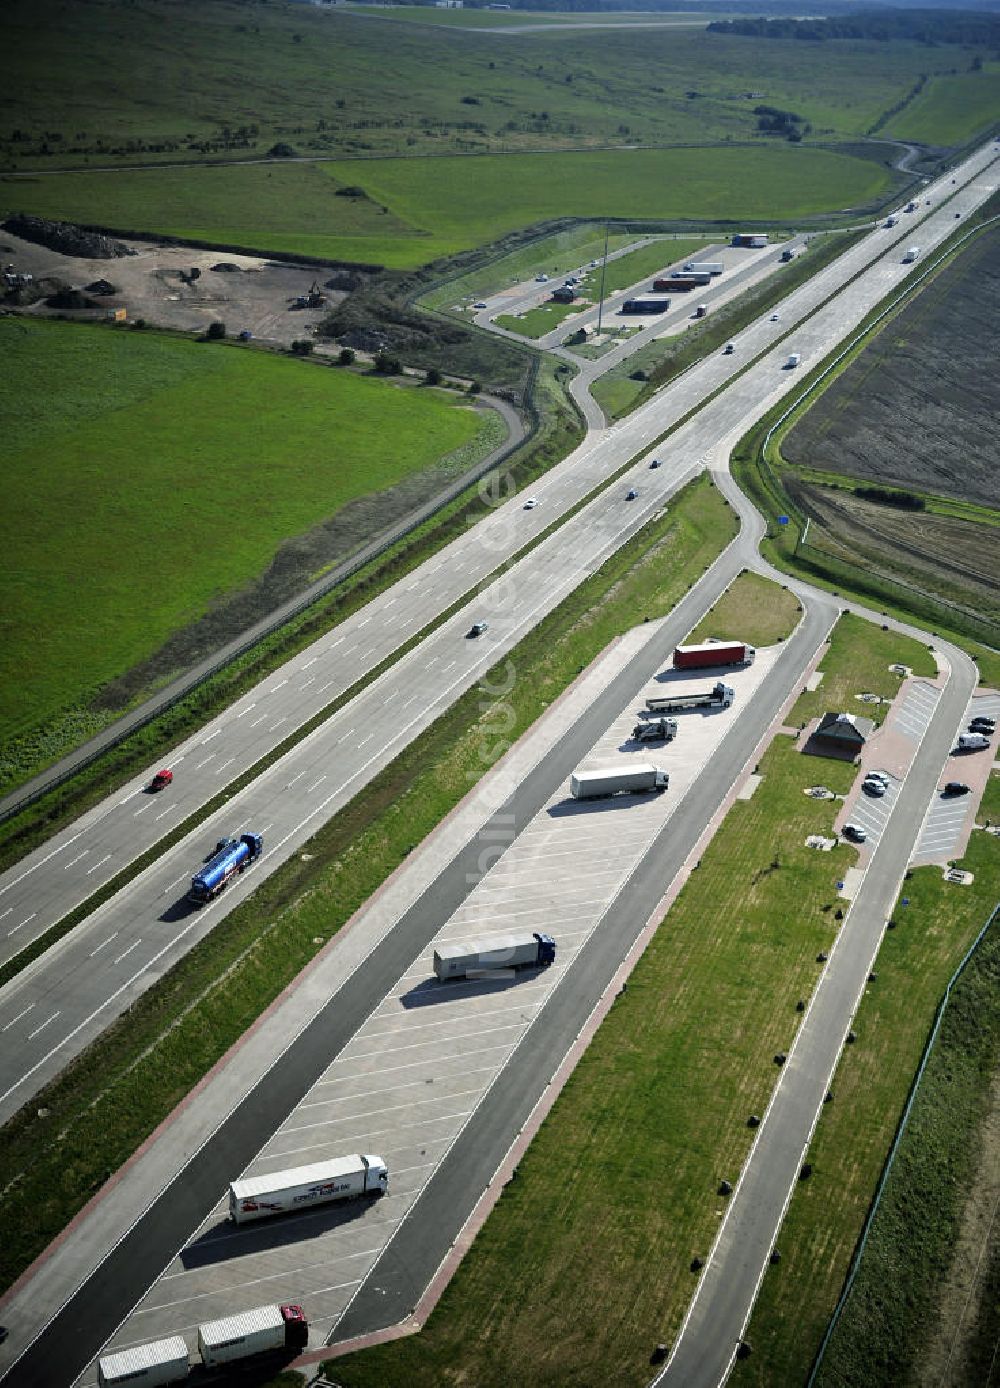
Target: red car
x=161 y=779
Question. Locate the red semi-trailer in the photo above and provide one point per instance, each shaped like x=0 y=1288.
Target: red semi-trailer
x=713 y=653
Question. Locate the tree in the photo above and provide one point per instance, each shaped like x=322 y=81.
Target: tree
x=388 y=366
x=346 y=356
x=215 y=331
x=302 y=346
x=433 y=377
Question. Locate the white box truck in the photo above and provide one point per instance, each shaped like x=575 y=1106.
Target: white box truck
x=973 y=742
x=519 y=951
x=704 y=267
x=252 y=1332
x=793 y=361
x=161 y=1361
x=910 y=254
x=618 y=780
x=300 y=1188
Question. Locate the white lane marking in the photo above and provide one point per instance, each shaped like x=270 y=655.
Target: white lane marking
x=102 y=944
x=165 y=812
x=8 y=911
x=294 y=779
x=339 y=641
x=247 y=709
x=222 y=765
x=373 y=1113
x=104 y=860
x=208 y=739
x=131 y=947
x=412 y=1065
x=20 y=924
x=365 y=622
x=41 y=863
x=280 y=685
x=275 y=726
x=143 y=808
x=309 y=663
x=33 y=1034
x=21 y=1014
x=316 y=783
x=410 y=1084
x=67 y=866
x=258 y=720
x=353 y=1144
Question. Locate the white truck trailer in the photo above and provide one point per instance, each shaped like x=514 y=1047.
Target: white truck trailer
x=519 y=951
x=910 y=254
x=252 y=1332
x=162 y=1361
x=300 y=1188
x=719 y=696
x=618 y=780
x=704 y=267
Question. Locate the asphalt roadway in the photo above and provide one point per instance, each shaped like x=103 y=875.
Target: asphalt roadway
x=57 y=1005
x=189 y=1194
x=77 y=1332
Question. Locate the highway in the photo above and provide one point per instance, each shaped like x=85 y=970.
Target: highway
x=63 y=1000
x=288 y=815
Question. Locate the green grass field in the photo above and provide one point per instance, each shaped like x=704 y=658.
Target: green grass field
x=152 y=475
x=950 y=110
x=536 y=322
x=54 y=1155
x=440 y=206
x=110 y=81
x=662 y=1095
x=515 y=19
x=880 y=1340
x=751 y=609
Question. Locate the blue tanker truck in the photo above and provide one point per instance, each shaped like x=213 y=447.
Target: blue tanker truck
x=231 y=856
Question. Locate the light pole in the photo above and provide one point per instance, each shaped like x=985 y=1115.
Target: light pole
x=604 y=266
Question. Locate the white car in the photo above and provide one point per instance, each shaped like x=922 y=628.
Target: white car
x=775 y=317
x=481 y=304
x=541 y=279
x=875 y=788
x=531 y=503
x=879 y=776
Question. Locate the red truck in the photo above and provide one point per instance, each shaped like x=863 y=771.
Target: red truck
x=713 y=653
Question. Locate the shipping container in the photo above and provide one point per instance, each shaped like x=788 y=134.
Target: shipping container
x=704 y=267
x=252 y=1332
x=161 y=1361
x=649 y=303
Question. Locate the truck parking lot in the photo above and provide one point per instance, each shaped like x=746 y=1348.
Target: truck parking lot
x=412 y=1076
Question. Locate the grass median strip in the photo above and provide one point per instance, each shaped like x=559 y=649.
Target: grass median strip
x=751 y=609
x=58 y=1152
x=891 y=1310
x=619 y=1190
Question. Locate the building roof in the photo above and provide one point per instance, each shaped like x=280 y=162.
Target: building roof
x=845 y=727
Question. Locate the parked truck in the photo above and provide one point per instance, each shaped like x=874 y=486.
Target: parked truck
x=162 y=1361
x=786 y=255
x=680 y=282
x=655 y=730
x=755 y=239
x=342 y=1178
x=231 y=857
x=704 y=267
x=719 y=696
x=618 y=780
x=252 y=1332
x=701 y=311
x=521 y=951
x=713 y=653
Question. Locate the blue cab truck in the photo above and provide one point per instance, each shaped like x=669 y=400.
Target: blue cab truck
x=231 y=857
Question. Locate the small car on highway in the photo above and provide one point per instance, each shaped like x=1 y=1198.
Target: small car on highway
x=481 y=304
x=631 y=494
x=541 y=279
x=477 y=629
x=531 y=503
x=854 y=832
x=161 y=779
x=655 y=463
x=775 y=317
x=955 y=788
x=728 y=350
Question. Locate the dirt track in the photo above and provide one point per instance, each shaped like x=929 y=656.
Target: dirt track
x=258 y=297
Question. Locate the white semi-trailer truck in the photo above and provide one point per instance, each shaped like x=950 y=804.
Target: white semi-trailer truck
x=618 y=780
x=162 y=1361
x=252 y=1332
x=500 y=952
x=342 y=1178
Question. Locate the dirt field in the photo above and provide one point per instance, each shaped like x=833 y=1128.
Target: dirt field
x=953 y=560
x=921 y=407
x=258 y=296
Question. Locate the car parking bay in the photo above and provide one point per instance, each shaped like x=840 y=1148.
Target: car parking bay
x=943 y=827
x=871 y=812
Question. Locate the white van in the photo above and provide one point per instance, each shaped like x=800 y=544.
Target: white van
x=972 y=742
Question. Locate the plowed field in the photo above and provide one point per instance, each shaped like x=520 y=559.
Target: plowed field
x=920 y=408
